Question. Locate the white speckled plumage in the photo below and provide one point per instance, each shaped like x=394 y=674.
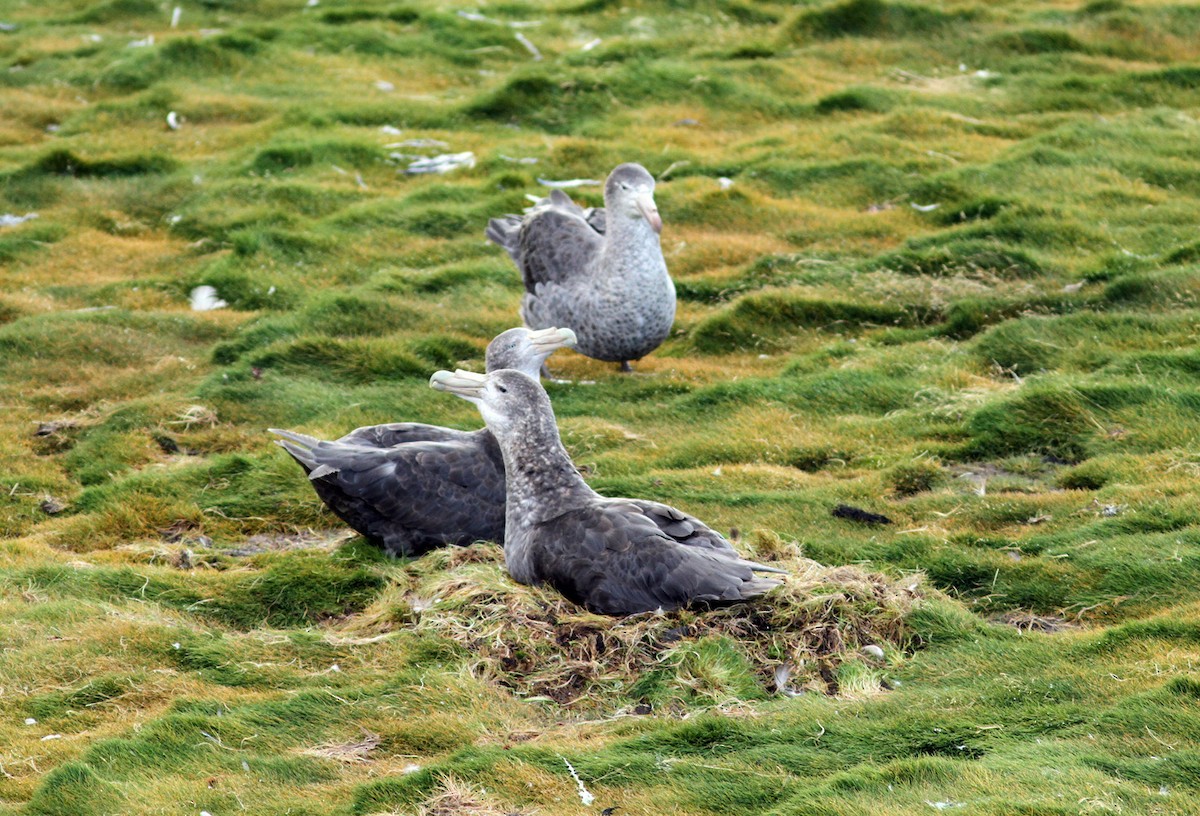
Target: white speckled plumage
x=601 y=272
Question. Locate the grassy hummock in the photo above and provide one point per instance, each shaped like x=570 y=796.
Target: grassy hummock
x=806 y=636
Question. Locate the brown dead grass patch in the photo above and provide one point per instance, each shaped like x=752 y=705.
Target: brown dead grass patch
x=457 y=798
x=353 y=751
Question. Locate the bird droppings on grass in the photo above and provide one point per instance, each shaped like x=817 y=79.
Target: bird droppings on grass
x=442 y=163
x=10 y=220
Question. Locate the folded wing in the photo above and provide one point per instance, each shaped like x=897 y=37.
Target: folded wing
x=408 y=497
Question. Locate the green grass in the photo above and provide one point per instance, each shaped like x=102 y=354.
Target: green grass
x=955 y=281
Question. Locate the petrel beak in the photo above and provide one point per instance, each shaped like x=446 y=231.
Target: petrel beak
x=548 y=340
x=465 y=384
x=646 y=205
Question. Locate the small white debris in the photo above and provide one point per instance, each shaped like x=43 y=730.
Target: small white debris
x=984 y=73
x=962 y=67
x=423 y=604
x=312 y=3
x=441 y=164
x=519 y=159
x=924 y=207
x=568 y=183
x=1163 y=791
x=782 y=673
x=49 y=737
x=30 y=721
x=270 y=291
x=175 y=15
x=93 y=38
x=174 y=219
x=943 y=805
x=176 y=646
x=411 y=768
x=717 y=470
x=871 y=650
x=764 y=356
x=585 y=795
x=384 y=85
x=146 y=43
x=420 y=143
x=245 y=766
x=205 y=813
x=672 y=168
x=590 y=44
x=724 y=183
x=476 y=17
x=8 y=220
x=390 y=130
x=529 y=46
x=335 y=668
x=173 y=120
x=1074 y=287
x=204 y=299
x=53 y=128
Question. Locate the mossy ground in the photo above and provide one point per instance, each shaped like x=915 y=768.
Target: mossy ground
x=955 y=281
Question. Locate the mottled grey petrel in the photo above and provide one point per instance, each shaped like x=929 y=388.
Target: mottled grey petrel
x=613 y=556
x=601 y=272
x=410 y=487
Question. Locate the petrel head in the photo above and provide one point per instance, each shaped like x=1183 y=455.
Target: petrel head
x=505 y=398
x=629 y=192
x=526 y=349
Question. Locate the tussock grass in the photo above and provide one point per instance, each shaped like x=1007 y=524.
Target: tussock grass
x=807 y=635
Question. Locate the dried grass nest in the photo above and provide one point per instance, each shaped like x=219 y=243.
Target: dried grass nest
x=833 y=630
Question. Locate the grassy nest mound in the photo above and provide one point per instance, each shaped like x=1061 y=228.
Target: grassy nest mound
x=832 y=630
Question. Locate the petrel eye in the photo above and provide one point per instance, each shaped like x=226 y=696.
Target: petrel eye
x=501 y=389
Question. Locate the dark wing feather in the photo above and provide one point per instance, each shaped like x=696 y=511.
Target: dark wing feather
x=597 y=219
x=618 y=562
x=554 y=238
x=399 y=433
x=503 y=231
x=687 y=530
x=553 y=246
x=411 y=497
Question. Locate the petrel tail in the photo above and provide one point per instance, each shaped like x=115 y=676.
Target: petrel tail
x=503 y=232
x=300 y=447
